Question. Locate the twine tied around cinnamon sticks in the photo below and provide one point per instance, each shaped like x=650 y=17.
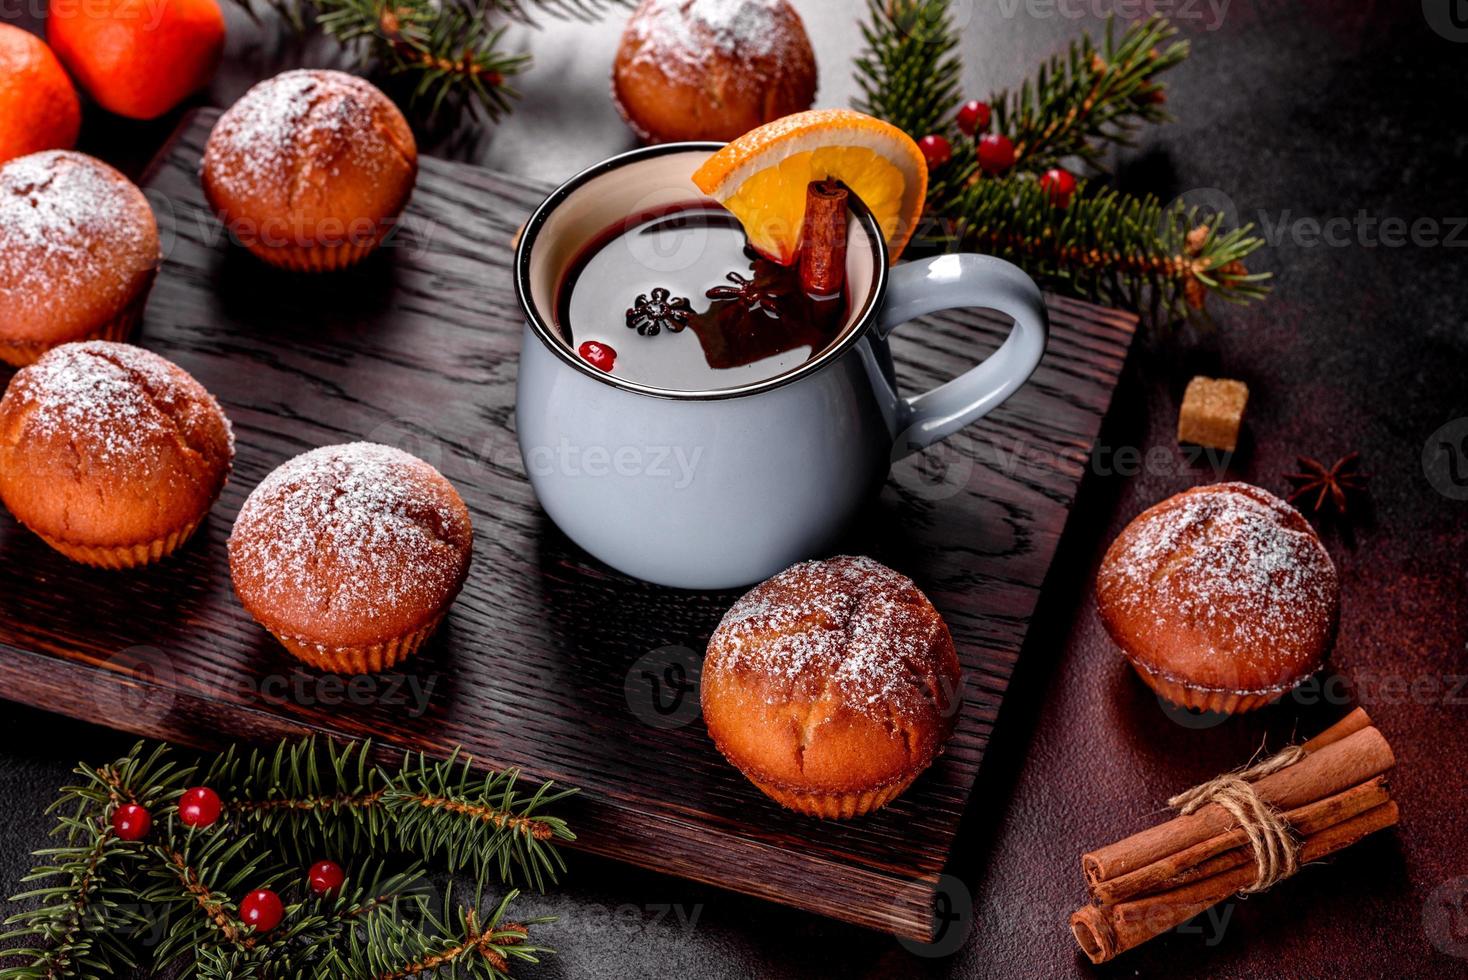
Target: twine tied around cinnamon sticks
x=1268 y=832
x=1236 y=834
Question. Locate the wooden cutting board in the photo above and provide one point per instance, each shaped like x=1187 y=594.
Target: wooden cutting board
x=549 y=661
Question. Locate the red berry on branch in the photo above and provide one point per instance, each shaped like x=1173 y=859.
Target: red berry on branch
x=131 y=822
x=936 y=150
x=996 y=153
x=598 y=355
x=199 y=807
x=973 y=116
x=262 y=909
x=1058 y=185
x=325 y=877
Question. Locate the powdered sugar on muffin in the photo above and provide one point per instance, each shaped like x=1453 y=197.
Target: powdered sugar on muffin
x=310 y=169
x=111 y=453
x=77 y=242
x=858 y=626
x=350 y=535
x=681 y=33
x=303 y=125
x=711 y=69
x=115 y=404
x=1224 y=587
x=831 y=686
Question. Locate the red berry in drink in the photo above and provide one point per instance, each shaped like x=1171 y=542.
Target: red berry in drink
x=1058 y=185
x=325 y=877
x=131 y=822
x=199 y=807
x=973 y=116
x=598 y=355
x=936 y=150
x=996 y=153
x=262 y=909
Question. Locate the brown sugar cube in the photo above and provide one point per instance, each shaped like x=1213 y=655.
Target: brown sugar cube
x=1212 y=410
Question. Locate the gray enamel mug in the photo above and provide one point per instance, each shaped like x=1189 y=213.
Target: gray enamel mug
x=719 y=489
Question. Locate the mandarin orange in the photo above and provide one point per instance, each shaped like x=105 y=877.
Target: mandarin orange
x=39 y=109
x=138 y=58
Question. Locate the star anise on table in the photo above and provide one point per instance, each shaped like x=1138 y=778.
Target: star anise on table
x=1318 y=485
x=662 y=311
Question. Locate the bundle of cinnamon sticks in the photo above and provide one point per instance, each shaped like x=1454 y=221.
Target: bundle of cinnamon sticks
x=1334 y=795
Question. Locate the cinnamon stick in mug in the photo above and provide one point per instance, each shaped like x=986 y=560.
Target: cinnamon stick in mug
x=823 y=238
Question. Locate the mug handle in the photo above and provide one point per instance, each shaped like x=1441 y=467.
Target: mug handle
x=948 y=282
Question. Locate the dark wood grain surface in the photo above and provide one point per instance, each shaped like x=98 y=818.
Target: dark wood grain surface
x=548 y=659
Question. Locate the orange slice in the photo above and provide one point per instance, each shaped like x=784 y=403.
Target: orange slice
x=762 y=176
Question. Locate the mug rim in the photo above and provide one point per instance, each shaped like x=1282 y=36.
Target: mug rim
x=549 y=337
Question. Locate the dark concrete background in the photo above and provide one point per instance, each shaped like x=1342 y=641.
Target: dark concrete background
x=1289 y=111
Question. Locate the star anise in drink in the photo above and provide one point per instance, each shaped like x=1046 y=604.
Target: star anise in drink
x=649 y=315
x=750 y=294
x=767 y=289
x=1319 y=486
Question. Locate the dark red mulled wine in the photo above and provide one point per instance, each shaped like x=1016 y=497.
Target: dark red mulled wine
x=676 y=299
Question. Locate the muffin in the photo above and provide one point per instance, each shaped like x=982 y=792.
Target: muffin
x=110 y=453
x=695 y=70
x=831 y=686
x=351 y=555
x=1222 y=597
x=310 y=170
x=78 y=253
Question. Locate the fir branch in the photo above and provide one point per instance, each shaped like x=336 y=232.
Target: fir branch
x=190 y=884
x=446 y=809
x=59 y=933
x=324 y=797
x=81 y=926
x=1113 y=247
x=320 y=925
x=451 y=943
x=451 y=49
x=448 y=47
x=184 y=883
x=310 y=797
x=1090 y=97
x=909 y=73
x=1107 y=246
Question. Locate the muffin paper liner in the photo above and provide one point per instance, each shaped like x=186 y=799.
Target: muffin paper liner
x=366 y=659
x=125 y=555
x=315 y=257
x=303 y=258
x=835 y=806
x=1207 y=699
